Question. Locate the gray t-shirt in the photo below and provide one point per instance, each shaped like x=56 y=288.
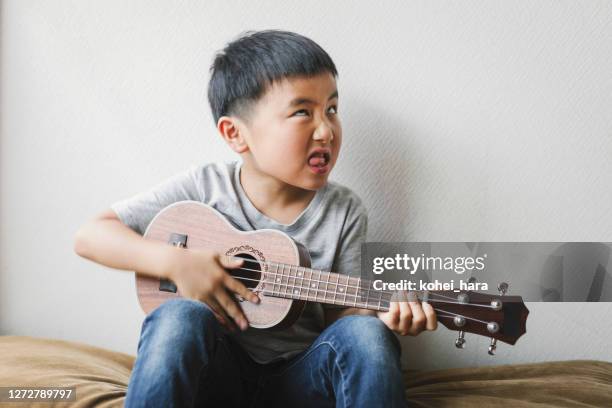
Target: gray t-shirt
x=332 y=228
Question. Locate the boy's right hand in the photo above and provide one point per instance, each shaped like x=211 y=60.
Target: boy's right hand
x=201 y=275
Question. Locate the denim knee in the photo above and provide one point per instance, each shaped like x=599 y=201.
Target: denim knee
x=179 y=308
x=367 y=338
x=179 y=322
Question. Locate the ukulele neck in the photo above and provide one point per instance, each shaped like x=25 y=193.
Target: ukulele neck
x=296 y=282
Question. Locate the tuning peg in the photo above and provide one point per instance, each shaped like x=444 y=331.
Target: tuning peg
x=460 y=342
x=503 y=288
x=492 y=346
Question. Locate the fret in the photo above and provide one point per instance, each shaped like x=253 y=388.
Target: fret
x=326 y=289
x=344 y=289
x=280 y=280
x=301 y=276
x=296 y=287
x=284 y=282
x=379 y=300
x=359 y=297
x=275 y=279
x=291 y=282
x=319 y=284
x=314 y=285
x=327 y=284
x=357 y=289
x=306 y=282
x=306 y=270
x=336 y=288
x=267 y=283
x=292 y=289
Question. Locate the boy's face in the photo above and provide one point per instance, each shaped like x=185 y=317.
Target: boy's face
x=294 y=132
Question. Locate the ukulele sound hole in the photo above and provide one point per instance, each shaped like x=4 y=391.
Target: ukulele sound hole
x=249 y=273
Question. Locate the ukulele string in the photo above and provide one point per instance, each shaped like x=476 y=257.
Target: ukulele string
x=452 y=300
x=446 y=313
x=290 y=266
x=288 y=285
x=385 y=308
x=315 y=280
x=345 y=294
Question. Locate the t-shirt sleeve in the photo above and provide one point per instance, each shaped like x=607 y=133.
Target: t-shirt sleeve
x=348 y=256
x=139 y=210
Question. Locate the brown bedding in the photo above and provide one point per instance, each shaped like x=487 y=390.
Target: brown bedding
x=101 y=376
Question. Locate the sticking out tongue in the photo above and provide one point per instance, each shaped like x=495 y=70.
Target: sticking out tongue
x=317 y=161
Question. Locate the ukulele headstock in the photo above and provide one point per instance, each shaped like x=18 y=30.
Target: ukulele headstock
x=499 y=317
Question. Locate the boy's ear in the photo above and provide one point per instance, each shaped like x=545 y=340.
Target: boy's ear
x=230 y=130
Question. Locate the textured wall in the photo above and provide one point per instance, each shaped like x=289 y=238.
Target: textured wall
x=467 y=121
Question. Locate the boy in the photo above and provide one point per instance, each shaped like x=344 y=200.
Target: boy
x=274 y=98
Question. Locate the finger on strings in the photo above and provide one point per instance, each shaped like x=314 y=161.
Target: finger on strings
x=405 y=317
x=418 y=316
x=394 y=315
x=237 y=287
x=430 y=314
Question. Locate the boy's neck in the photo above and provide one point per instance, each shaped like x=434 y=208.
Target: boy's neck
x=272 y=197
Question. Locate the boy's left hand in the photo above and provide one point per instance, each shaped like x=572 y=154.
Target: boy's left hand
x=409 y=317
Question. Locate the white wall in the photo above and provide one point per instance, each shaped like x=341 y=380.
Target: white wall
x=466 y=121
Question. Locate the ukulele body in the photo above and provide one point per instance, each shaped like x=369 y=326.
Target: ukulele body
x=200 y=226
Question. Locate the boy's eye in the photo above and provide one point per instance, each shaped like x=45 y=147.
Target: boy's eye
x=297 y=113
x=303 y=112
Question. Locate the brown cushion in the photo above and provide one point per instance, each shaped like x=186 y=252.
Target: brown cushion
x=557 y=384
x=101 y=377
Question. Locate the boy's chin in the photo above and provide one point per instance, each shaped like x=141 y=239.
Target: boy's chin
x=315 y=184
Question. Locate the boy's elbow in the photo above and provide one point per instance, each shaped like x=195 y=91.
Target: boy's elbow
x=80 y=244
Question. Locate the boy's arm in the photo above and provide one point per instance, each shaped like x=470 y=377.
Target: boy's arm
x=198 y=274
x=107 y=241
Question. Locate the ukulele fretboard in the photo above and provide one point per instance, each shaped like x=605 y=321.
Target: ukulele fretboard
x=296 y=282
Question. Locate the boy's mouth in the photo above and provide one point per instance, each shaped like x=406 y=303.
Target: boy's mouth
x=318 y=161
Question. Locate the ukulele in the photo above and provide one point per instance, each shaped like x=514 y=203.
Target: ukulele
x=277 y=268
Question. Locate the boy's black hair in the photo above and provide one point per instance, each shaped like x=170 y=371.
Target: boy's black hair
x=243 y=70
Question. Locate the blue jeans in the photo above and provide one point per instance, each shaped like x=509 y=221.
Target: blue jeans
x=186 y=359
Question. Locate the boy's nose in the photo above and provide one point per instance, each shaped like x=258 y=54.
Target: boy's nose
x=323 y=133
